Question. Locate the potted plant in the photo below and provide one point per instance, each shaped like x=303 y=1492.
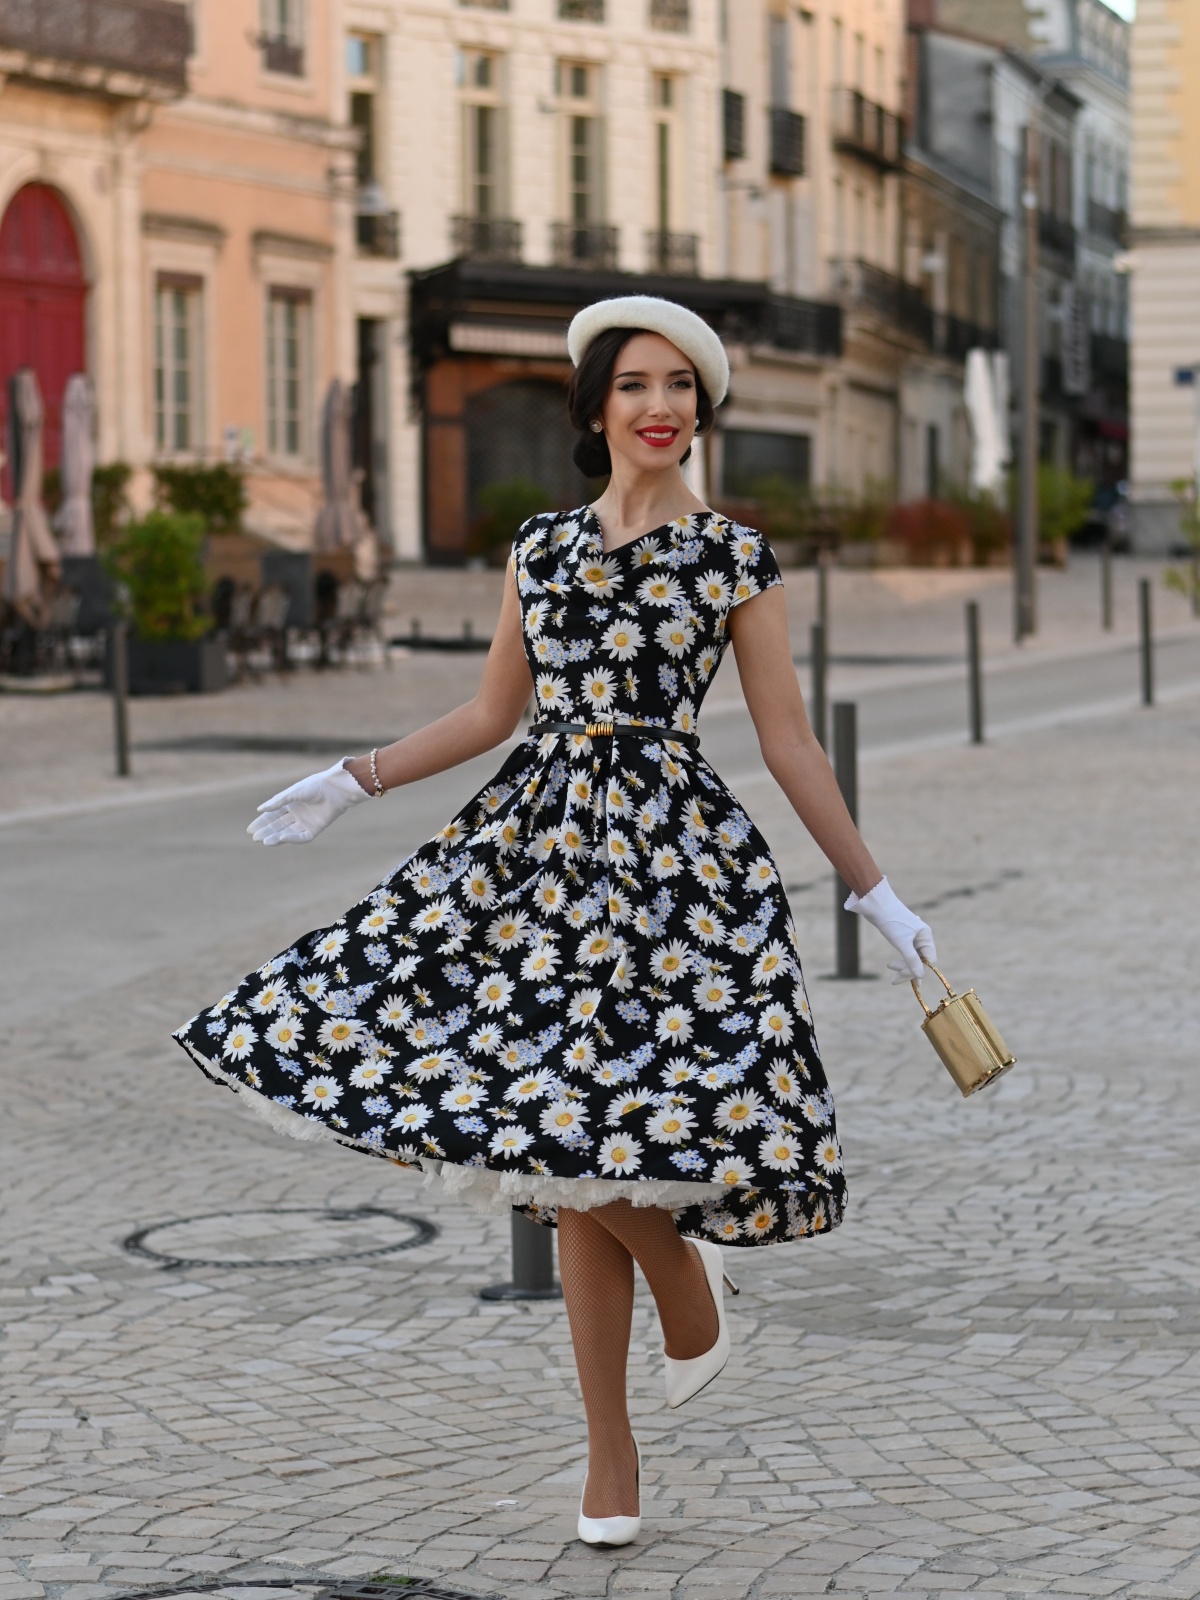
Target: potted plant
x=508 y=503
x=172 y=647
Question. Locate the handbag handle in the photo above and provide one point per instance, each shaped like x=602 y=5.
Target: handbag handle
x=916 y=988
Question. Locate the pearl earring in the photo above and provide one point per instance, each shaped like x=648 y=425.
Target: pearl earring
x=597 y=427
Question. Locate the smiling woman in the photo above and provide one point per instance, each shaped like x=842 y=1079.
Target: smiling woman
x=583 y=996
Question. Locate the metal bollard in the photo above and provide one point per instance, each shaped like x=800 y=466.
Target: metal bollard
x=974 y=672
x=845 y=765
x=1146 y=641
x=1106 y=584
x=118 y=646
x=819 y=696
x=532 y=1265
x=823 y=595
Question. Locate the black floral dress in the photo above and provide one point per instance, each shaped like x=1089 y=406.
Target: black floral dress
x=586 y=986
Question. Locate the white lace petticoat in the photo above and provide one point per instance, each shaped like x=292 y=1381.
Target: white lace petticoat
x=480 y=1187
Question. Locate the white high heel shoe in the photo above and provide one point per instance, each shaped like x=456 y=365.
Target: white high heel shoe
x=612 y=1530
x=687 y=1378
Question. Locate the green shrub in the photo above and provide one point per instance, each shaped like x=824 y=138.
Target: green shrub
x=1186 y=580
x=1064 y=503
x=508 y=503
x=158 y=559
x=216 y=494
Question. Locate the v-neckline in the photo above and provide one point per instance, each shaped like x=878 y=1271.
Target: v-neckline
x=671 y=529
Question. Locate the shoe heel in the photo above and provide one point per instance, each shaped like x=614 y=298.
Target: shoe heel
x=729 y=1284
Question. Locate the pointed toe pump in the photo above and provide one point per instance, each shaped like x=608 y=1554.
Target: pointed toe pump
x=687 y=1378
x=612 y=1530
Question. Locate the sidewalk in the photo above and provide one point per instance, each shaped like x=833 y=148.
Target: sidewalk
x=984 y=1384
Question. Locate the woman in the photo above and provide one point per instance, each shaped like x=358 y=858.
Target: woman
x=582 y=997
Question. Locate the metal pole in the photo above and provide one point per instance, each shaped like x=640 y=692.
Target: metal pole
x=1106 y=577
x=1147 y=641
x=845 y=765
x=819 y=693
x=532 y=1265
x=823 y=594
x=974 y=672
x=1024 y=564
x=118 y=644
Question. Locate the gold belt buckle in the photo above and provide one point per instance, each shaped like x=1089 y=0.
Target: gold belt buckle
x=599 y=730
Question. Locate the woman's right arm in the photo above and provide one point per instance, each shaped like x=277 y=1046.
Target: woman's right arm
x=470 y=729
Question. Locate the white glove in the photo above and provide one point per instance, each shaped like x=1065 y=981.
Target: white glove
x=297 y=815
x=902 y=929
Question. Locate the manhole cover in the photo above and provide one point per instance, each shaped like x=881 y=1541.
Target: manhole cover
x=279 y=1236
x=397 y=1588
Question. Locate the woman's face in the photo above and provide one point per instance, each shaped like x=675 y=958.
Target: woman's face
x=650 y=414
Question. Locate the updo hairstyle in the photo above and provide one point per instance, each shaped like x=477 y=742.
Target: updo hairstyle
x=588 y=390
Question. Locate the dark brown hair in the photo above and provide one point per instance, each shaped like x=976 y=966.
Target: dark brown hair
x=588 y=390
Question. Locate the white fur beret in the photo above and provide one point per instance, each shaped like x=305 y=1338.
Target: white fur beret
x=682 y=327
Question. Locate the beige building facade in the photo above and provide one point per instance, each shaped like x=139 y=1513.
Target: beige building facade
x=1165 y=261
x=194 y=162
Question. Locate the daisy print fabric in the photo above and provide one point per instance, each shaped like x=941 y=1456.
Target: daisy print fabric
x=587 y=985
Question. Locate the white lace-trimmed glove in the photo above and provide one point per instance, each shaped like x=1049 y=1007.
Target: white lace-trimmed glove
x=297 y=815
x=902 y=929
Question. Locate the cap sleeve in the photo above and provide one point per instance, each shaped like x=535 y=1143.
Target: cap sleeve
x=754 y=565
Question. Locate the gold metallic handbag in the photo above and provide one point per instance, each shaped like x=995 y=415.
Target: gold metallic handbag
x=965 y=1037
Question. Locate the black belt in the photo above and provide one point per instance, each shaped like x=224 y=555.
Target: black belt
x=602 y=729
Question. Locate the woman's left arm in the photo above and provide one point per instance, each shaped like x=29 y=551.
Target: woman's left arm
x=759 y=632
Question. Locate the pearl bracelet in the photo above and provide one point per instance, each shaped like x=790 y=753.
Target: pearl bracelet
x=380 y=791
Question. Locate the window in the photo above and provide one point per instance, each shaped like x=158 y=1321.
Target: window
x=780 y=61
x=178 y=424
x=362 y=80
x=289 y=369
x=749 y=457
x=578 y=89
x=733 y=107
x=666 y=145
x=484 y=142
x=581 y=10
x=282 y=36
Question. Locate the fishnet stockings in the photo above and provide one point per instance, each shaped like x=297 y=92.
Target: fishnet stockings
x=596 y=1252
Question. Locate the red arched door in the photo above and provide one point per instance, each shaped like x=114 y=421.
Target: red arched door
x=42 y=292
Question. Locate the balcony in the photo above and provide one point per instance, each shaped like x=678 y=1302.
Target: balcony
x=866 y=288
x=813 y=327
x=281 y=55
x=787 y=143
x=377 y=233
x=130 y=48
x=670 y=16
x=583 y=244
x=486 y=238
x=674 y=253
x=581 y=10
x=1056 y=235
x=1105 y=223
x=1110 y=360
x=955 y=337
x=866 y=130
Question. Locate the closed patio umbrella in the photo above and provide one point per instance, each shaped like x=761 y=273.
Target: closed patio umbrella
x=32 y=555
x=339 y=521
x=73 y=521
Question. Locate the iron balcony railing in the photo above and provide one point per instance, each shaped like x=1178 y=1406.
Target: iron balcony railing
x=670 y=16
x=1057 y=234
x=151 y=39
x=733 y=124
x=583 y=244
x=487 y=238
x=787 y=142
x=867 y=130
x=955 y=337
x=1106 y=223
x=813 y=327
x=862 y=286
x=674 y=253
x=281 y=55
x=377 y=233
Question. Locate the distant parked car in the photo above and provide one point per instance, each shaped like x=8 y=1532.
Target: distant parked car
x=1107 y=519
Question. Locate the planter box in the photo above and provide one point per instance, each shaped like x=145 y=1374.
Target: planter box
x=174 y=666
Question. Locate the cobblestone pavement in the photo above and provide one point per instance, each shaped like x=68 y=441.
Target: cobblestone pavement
x=986 y=1383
